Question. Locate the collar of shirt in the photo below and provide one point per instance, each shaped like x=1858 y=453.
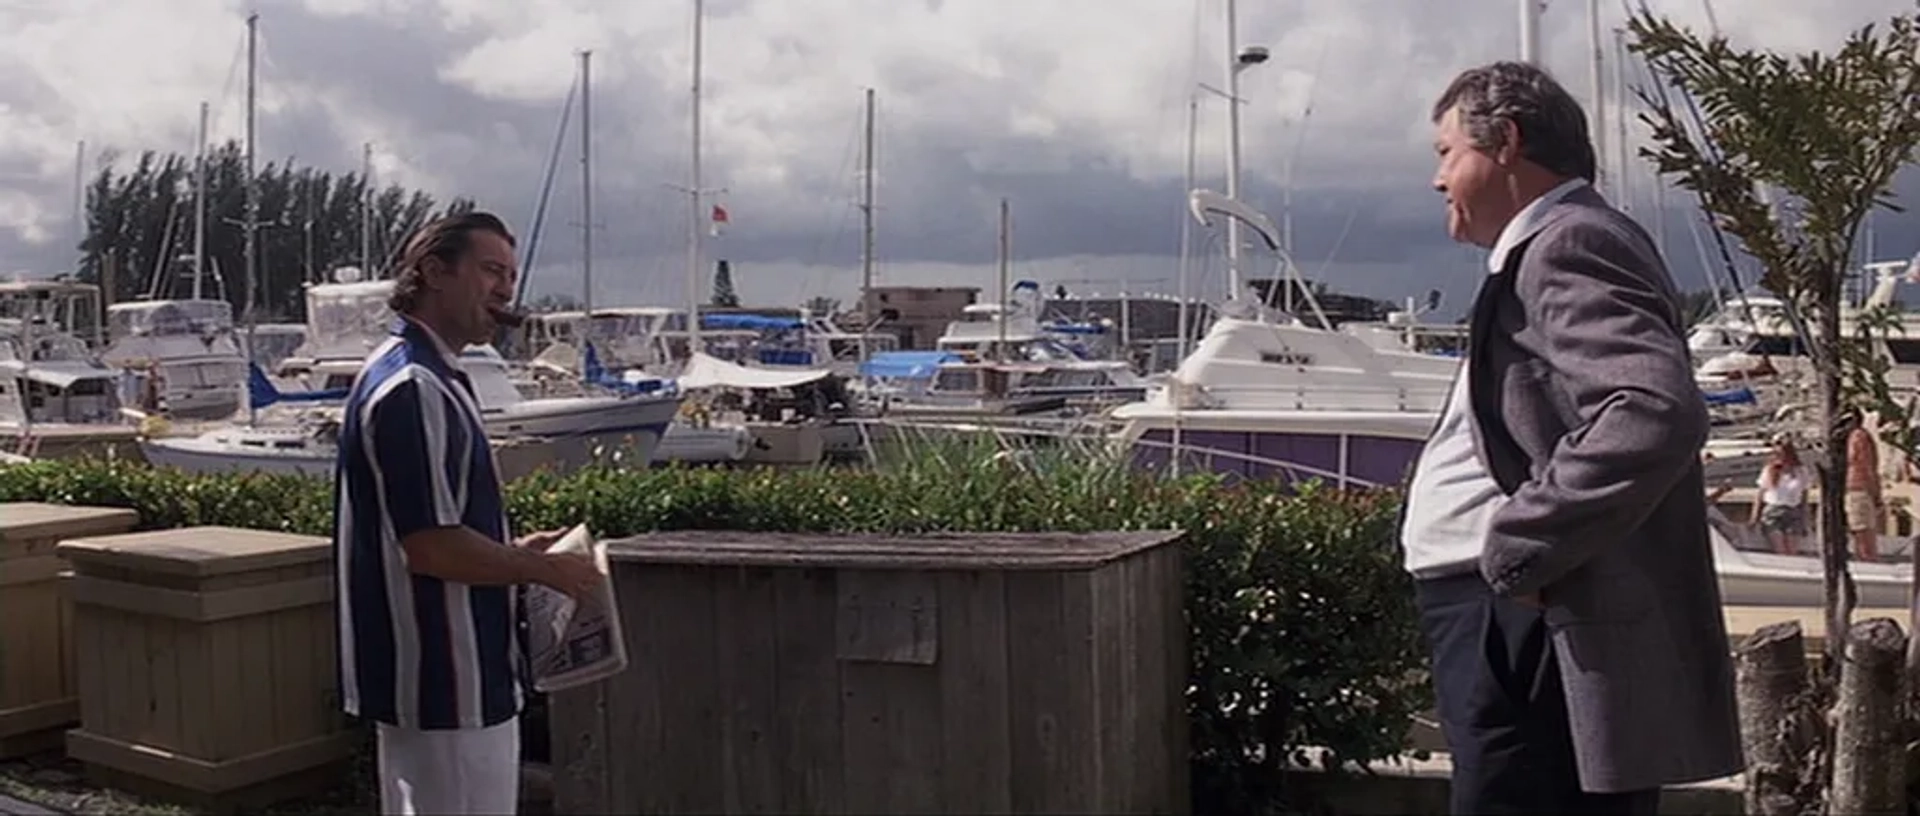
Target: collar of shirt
x=411 y=329
x=1527 y=222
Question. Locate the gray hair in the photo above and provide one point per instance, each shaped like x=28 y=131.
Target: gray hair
x=1551 y=124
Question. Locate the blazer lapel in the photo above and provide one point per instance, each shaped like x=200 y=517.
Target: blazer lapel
x=1486 y=422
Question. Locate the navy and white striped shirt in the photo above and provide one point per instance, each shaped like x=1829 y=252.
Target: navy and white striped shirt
x=416 y=651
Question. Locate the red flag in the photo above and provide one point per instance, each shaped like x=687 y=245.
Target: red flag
x=719 y=217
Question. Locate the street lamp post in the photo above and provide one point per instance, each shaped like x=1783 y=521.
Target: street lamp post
x=1238 y=59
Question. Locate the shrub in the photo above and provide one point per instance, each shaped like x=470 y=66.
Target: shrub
x=1302 y=628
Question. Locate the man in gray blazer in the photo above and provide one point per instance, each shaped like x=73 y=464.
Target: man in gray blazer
x=1556 y=520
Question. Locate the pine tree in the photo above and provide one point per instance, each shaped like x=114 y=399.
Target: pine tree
x=723 y=295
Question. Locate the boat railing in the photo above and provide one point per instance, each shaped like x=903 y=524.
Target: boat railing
x=1307 y=396
x=1093 y=436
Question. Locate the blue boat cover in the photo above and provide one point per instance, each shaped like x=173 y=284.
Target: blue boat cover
x=749 y=321
x=911 y=365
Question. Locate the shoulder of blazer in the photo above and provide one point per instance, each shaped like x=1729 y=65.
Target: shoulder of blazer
x=1563 y=214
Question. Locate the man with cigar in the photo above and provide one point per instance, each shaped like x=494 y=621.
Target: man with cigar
x=427 y=574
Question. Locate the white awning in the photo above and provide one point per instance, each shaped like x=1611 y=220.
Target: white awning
x=707 y=371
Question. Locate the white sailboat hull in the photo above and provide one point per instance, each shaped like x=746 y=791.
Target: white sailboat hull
x=207 y=454
x=582 y=416
x=1758 y=578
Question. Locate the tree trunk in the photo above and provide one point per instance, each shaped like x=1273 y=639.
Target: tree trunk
x=1869 y=756
x=1771 y=674
x=1838 y=584
x=1913 y=652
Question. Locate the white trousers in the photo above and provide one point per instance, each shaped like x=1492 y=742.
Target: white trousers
x=452 y=771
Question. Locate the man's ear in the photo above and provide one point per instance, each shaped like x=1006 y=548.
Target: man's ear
x=431 y=270
x=1509 y=150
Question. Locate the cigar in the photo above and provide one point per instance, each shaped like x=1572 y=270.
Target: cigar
x=508 y=318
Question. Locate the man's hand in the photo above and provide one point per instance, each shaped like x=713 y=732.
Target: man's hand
x=572 y=573
x=540 y=541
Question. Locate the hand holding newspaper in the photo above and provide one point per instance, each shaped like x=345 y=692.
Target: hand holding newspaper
x=571 y=644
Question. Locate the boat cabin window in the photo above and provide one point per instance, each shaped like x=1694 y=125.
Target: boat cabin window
x=958 y=380
x=1776 y=345
x=1067 y=378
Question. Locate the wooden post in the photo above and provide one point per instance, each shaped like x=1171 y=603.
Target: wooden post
x=1772 y=683
x=1913 y=646
x=1869 y=756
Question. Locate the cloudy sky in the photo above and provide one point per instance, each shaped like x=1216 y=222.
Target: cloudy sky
x=1073 y=110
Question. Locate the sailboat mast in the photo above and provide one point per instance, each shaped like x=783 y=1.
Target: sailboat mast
x=251 y=259
x=306 y=228
x=1006 y=225
x=200 y=206
x=1599 y=90
x=80 y=196
x=1530 y=30
x=1186 y=230
x=251 y=254
x=1233 y=146
x=366 y=211
x=1624 y=181
x=586 y=183
x=866 y=223
x=866 y=230
x=693 y=196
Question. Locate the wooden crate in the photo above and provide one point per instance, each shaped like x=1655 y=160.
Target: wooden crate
x=38 y=696
x=781 y=673
x=206 y=659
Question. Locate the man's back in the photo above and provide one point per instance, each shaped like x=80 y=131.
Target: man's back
x=416 y=651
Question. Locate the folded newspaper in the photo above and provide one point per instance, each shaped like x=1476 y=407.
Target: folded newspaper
x=571 y=644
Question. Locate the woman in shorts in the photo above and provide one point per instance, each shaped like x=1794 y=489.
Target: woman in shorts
x=1780 y=509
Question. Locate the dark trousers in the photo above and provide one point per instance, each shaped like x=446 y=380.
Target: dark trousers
x=1502 y=707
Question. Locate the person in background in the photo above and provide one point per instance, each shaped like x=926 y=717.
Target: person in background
x=1556 y=521
x=1865 y=505
x=426 y=571
x=1780 y=508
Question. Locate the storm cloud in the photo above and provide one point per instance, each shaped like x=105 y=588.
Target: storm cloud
x=1075 y=111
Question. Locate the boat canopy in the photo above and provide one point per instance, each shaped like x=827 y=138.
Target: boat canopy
x=707 y=371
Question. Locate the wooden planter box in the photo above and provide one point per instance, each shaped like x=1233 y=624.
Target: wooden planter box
x=940 y=674
x=38 y=696
x=206 y=662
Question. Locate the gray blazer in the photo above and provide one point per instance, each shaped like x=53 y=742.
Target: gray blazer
x=1586 y=413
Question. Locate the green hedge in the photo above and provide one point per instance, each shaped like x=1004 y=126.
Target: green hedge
x=1302 y=622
